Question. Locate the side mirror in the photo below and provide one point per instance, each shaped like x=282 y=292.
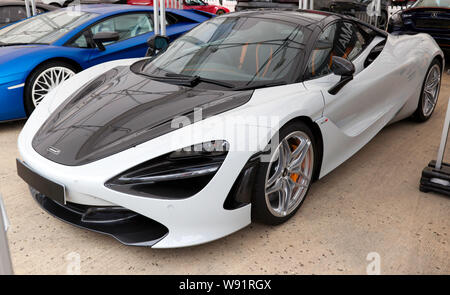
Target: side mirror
x=157 y=43
x=103 y=37
x=344 y=68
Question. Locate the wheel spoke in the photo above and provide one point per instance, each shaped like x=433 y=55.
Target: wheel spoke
x=42 y=84
x=285 y=196
x=39 y=98
x=297 y=152
x=429 y=91
x=283 y=155
x=429 y=98
x=277 y=174
x=302 y=174
x=276 y=187
x=295 y=164
x=286 y=153
x=300 y=188
x=431 y=85
x=295 y=185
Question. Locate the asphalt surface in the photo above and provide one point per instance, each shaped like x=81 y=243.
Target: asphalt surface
x=369 y=207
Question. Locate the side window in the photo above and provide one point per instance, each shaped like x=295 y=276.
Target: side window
x=366 y=33
x=83 y=41
x=170 y=19
x=347 y=43
x=18 y=13
x=319 y=62
x=127 y=25
x=4 y=15
x=360 y=43
x=9 y=14
x=343 y=39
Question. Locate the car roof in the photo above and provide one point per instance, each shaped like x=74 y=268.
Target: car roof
x=110 y=8
x=302 y=17
x=22 y=3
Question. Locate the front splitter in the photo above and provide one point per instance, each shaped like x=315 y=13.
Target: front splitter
x=134 y=229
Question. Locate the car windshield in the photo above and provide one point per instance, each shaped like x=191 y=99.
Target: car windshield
x=194 y=2
x=44 y=28
x=432 y=3
x=239 y=51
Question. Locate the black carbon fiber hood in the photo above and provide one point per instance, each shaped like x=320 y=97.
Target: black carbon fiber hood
x=119 y=110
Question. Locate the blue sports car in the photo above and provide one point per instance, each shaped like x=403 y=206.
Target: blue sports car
x=40 y=52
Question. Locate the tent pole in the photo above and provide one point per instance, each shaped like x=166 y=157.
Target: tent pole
x=5 y=258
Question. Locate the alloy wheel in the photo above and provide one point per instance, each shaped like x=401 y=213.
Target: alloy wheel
x=431 y=90
x=289 y=174
x=47 y=80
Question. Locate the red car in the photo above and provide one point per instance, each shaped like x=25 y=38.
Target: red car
x=187 y=4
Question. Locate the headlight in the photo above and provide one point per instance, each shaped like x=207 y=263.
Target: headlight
x=176 y=175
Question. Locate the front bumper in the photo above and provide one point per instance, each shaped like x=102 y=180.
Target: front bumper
x=198 y=219
x=127 y=227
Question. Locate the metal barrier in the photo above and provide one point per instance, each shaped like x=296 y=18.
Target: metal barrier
x=306 y=4
x=159 y=13
x=5 y=258
x=30 y=11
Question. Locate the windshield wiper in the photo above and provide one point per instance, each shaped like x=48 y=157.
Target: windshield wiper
x=186 y=80
x=197 y=79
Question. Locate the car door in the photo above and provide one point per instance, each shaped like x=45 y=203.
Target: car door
x=133 y=28
x=361 y=108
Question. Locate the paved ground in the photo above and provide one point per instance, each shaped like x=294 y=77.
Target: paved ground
x=371 y=203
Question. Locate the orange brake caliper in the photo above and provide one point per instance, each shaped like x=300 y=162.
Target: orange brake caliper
x=294 y=176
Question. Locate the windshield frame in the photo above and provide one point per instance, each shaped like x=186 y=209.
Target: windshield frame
x=295 y=73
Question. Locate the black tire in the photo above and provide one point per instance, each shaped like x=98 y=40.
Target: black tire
x=260 y=210
x=27 y=95
x=419 y=114
x=220 y=12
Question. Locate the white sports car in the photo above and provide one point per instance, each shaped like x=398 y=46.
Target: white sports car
x=230 y=123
